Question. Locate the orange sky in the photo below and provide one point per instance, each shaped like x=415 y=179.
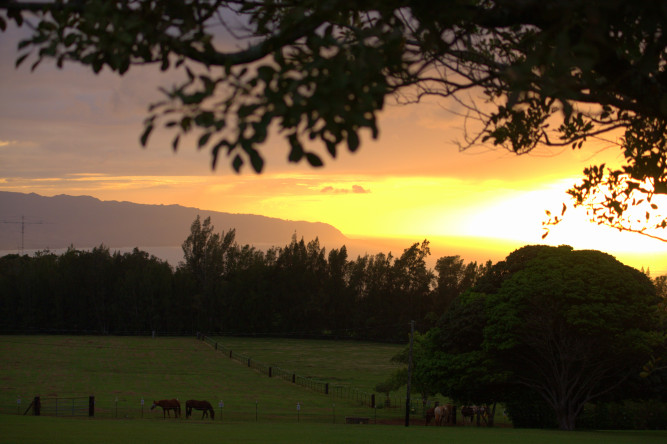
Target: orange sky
x=72 y=132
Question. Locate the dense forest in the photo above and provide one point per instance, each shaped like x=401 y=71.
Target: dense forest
x=298 y=290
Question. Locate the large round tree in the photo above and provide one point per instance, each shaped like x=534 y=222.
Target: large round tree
x=569 y=326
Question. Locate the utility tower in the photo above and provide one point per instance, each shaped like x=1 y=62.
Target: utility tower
x=23 y=224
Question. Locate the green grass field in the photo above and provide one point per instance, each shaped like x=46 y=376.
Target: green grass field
x=365 y=364
x=120 y=371
x=28 y=430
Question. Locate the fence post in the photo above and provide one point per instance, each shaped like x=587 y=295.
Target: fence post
x=326 y=388
x=36 y=406
x=373 y=400
x=293 y=378
x=270 y=372
x=91 y=406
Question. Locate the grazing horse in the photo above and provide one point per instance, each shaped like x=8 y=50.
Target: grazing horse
x=442 y=412
x=199 y=405
x=430 y=413
x=168 y=404
x=469 y=412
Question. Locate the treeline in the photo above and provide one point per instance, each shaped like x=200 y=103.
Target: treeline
x=299 y=289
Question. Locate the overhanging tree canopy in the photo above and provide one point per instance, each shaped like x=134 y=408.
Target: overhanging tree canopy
x=554 y=73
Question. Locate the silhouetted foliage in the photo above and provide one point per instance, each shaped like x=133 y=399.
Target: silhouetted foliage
x=295 y=290
x=87 y=291
x=569 y=327
x=527 y=73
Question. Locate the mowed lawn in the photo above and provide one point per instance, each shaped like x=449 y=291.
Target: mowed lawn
x=37 y=430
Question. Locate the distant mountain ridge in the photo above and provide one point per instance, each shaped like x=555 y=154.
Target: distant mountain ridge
x=83 y=222
x=56 y=223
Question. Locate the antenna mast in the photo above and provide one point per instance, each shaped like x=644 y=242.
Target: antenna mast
x=23 y=224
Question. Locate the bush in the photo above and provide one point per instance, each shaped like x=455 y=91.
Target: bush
x=627 y=415
x=528 y=410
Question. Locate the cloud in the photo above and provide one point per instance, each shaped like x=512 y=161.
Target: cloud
x=358 y=189
x=355 y=189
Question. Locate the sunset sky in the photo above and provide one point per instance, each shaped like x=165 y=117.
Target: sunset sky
x=72 y=132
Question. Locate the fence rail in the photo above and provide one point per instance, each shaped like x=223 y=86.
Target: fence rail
x=74 y=406
x=233 y=411
x=317 y=385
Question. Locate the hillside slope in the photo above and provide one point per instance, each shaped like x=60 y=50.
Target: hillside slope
x=31 y=221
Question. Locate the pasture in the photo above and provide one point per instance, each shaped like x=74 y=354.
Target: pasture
x=120 y=371
x=358 y=364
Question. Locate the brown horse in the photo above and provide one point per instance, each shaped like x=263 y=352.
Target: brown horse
x=467 y=413
x=430 y=413
x=442 y=412
x=168 y=404
x=199 y=405
x=470 y=412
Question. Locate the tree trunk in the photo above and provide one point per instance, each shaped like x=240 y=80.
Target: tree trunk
x=490 y=414
x=566 y=418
